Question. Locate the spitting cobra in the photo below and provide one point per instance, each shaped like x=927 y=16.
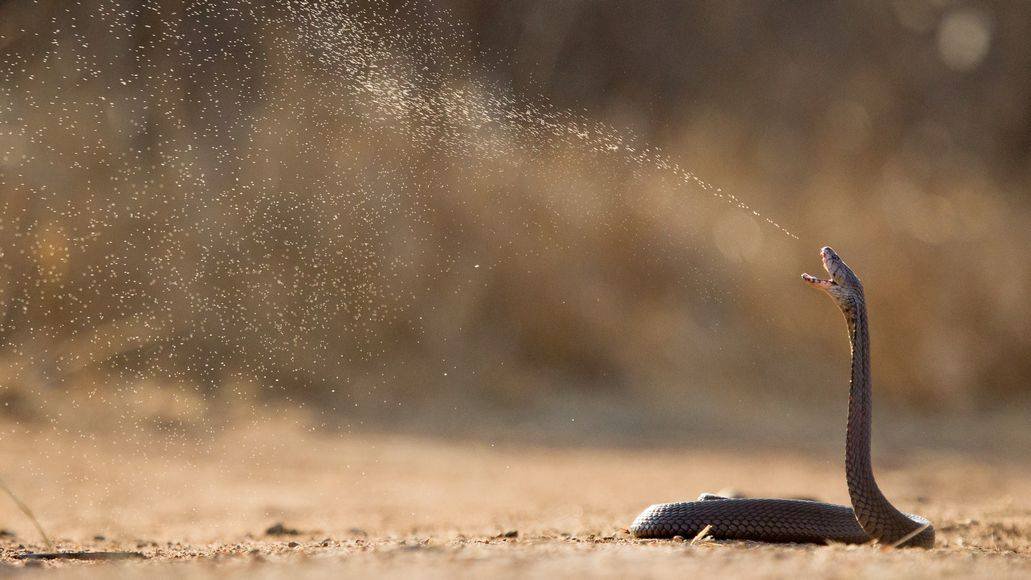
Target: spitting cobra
x=871 y=516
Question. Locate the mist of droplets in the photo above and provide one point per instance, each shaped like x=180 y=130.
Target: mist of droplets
x=173 y=210
x=369 y=52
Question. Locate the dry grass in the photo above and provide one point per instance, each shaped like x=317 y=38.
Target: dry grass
x=28 y=513
x=260 y=219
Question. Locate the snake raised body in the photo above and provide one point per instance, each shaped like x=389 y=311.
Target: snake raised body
x=871 y=516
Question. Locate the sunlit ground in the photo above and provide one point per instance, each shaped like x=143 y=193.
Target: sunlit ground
x=367 y=503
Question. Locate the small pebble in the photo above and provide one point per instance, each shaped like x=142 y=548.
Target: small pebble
x=278 y=529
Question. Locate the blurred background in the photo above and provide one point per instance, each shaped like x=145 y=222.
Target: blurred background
x=437 y=216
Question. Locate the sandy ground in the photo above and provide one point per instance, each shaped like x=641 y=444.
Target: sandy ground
x=201 y=505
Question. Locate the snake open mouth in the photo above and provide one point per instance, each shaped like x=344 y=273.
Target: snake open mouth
x=818 y=282
x=832 y=264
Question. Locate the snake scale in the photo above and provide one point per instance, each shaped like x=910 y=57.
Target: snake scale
x=871 y=516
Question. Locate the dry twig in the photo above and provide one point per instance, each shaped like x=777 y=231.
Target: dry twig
x=28 y=513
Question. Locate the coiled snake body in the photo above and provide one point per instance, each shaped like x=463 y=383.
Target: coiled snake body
x=871 y=516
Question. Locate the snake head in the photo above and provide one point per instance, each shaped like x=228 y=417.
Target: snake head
x=843 y=285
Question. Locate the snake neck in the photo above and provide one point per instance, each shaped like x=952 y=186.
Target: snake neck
x=875 y=513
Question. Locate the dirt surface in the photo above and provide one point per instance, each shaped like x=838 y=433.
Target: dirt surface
x=271 y=499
